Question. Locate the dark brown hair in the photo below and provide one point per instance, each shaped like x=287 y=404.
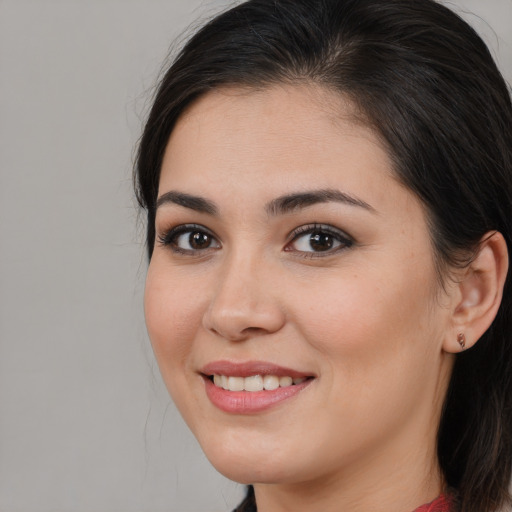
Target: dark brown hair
x=427 y=84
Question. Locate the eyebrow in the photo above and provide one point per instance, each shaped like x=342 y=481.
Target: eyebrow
x=196 y=203
x=279 y=206
x=292 y=202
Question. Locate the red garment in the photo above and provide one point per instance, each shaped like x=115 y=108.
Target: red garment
x=441 y=504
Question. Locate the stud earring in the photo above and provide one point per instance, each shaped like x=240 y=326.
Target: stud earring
x=461 y=339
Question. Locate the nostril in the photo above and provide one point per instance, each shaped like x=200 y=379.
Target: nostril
x=253 y=330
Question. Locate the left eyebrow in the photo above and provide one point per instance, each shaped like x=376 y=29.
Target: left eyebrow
x=292 y=202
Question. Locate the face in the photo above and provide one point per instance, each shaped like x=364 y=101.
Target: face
x=292 y=298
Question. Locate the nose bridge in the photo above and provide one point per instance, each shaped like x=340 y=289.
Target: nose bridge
x=244 y=301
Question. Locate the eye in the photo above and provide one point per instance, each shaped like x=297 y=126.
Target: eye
x=317 y=238
x=189 y=239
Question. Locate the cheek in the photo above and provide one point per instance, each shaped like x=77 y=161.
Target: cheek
x=372 y=327
x=173 y=315
x=375 y=339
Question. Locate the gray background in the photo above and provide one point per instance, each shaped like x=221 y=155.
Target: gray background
x=85 y=424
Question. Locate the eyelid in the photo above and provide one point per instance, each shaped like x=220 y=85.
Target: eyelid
x=166 y=238
x=341 y=236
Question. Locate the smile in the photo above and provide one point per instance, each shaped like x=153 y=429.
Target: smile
x=251 y=387
x=255 y=383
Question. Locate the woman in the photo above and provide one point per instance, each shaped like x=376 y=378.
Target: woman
x=328 y=187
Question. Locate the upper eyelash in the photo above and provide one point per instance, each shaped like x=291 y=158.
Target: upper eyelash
x=167 y=237
x=347 y=240
x=318 y=227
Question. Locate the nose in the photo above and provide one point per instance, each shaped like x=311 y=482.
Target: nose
x=244 y=303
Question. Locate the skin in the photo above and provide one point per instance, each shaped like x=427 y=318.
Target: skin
x=367 y=319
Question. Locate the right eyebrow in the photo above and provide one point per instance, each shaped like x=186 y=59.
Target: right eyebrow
x=196 y=203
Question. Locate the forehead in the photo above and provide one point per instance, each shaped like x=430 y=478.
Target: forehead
x=281 y=133
x=309 y=100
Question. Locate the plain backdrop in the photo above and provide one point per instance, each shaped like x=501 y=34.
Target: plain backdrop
x=85 y=423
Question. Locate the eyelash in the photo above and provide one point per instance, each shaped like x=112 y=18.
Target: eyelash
x=170 y=239
x=344 y=240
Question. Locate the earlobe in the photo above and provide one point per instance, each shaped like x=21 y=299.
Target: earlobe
x=480 y=291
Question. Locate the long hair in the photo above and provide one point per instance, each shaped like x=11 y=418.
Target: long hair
x=426 y=83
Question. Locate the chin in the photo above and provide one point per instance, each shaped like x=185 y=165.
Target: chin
x=248 y=462
x=250 y=457
x=248 y=472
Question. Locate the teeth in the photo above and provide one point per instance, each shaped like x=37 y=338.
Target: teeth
x=285 y=381
x=255 y=382
x=270 y=382
x=236 y=383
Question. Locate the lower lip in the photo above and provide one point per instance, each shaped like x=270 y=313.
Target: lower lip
x=249 y=402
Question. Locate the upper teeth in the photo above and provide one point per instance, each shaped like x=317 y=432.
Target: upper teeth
x=254 y=382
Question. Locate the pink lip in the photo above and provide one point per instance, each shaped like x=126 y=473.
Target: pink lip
x=250 y=402
x=248 y=368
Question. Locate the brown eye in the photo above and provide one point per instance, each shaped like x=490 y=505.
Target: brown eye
x=198 y=240
x=189 y=239
x=316 y=239
x=321 y=241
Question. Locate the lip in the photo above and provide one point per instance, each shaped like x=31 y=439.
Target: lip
x=248 y=368
x=250 y=402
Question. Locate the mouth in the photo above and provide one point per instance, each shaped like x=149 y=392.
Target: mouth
x=252 y=387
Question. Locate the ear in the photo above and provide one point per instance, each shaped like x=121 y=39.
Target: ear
x=477 y=295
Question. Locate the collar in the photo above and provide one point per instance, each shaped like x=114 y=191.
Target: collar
x=441 y=504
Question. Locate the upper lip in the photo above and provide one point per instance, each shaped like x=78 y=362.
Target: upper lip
x=248 y=368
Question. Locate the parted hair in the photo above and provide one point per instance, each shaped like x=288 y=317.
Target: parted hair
x=423 y=79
